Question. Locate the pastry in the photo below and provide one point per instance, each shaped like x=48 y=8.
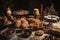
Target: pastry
x=55 y=31
x=34 y=38
x=39 y=32
x=36 y=12
x=18 y=23
x=24 y=22
x=35 y=22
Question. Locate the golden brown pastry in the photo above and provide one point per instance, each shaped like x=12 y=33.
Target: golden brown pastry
x=38 y=23
x=39 y=32
x=6 y=21
x=55 y=29
x=24 y=22
x=36 y=12
x=18 y=23
x=35 y=22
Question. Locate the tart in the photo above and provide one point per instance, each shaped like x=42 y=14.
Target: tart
x=39 y=32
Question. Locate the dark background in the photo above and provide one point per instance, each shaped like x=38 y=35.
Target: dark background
x=28 y=4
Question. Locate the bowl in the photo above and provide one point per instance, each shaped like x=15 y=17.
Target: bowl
x=25 y=34
x=8 y=32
